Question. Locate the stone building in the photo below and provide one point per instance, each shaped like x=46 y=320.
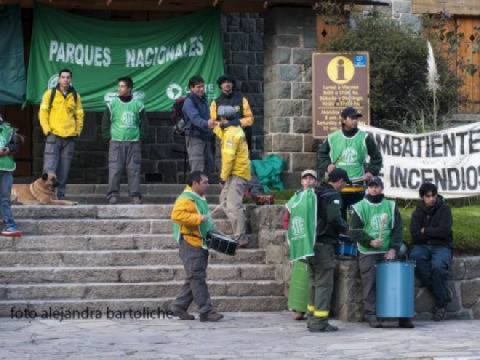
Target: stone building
x=268 y=47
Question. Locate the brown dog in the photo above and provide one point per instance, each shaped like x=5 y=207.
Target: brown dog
x=40 y=192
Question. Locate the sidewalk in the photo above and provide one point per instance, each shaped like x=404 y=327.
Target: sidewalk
x=238 y=336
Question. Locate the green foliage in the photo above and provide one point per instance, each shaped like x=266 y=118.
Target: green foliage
x=399 y=97
x=466 y=228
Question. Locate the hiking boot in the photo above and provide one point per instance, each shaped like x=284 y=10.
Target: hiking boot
x=211 y=316
x=405 y=323
x=182 y=314
x=374 y=323
x=11 y=232
x=439 y=313
x=326 y=328
x=113 y=200
x=136 y=200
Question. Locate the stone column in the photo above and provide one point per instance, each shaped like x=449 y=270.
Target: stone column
x=290 y=40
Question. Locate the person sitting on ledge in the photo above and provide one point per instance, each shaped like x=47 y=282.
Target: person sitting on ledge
x=431 y=230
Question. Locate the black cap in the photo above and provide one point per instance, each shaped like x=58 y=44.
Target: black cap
x=225 y=78
x=338 y=174
x=350 y=112
x=375 y=181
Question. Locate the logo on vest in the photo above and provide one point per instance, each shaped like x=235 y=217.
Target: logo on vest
x=349 y=156
x=378 y=222
x=128 y=119
x=298 y=226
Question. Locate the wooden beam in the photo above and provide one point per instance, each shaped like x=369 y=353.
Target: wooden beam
x=453 y=7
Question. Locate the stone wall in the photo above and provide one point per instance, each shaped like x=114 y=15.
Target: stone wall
x=290 y=40
x=163 y=153
x=266 y=226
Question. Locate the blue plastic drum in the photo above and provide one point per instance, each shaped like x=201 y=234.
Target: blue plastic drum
x=395 y=289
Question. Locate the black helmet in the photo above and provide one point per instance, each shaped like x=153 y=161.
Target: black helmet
x=225 y=78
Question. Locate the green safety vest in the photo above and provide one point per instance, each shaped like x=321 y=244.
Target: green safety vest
x=6 y=162
x=202 y=208
x=302 y=225
x=125 y=119
x=349 y=153
x=371 y=215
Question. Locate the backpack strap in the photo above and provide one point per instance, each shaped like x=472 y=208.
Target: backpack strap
x=52 y=97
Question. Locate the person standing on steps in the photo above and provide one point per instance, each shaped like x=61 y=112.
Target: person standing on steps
x=123 y=127
x=61 y=120
x=192 y=222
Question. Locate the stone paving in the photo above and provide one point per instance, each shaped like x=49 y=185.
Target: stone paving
x=238 y=336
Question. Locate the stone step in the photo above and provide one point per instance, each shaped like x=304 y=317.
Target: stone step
x=88 y=242
x=99 y=211
x=137 y=290
x=35 y=308
x=119 y=258
x=130 y=274
x=145 y=189
x=124 y=199
x=103 y=226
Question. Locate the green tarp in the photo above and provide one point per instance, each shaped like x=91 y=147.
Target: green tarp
x=160 y=56
x=12 y=65
x=269 y=172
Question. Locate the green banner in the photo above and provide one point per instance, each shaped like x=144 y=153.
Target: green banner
x=160 y=56
x=12 y=65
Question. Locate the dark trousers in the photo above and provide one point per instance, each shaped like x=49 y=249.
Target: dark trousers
x=432 y=264
x=368 y=276
x=195 y=262
x=6 y=181
x=124 y=155
x=321 y=268
x=349 y=199
x=57 y=158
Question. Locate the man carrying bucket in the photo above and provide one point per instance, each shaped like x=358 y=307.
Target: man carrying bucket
x=376 y=226
x=349 y=149
x=300 y=220
x=192 y=222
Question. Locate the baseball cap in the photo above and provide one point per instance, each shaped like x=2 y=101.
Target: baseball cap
x=376 y=181
x=338 y=174
x=309 y=172
x=350 y=112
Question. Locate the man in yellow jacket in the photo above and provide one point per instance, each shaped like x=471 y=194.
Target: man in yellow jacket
x=61 y=119
x=234 y=175
x=192 y=222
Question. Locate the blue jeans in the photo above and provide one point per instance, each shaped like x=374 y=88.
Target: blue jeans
x=432 y=264
x=6 y=181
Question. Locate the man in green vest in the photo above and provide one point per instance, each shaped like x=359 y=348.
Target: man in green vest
x=322 y=265
x=192 y=222
x=376 y=226
x=123 y=126
x=349 y=149
x=7 y=166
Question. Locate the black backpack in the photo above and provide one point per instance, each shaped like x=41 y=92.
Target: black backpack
x=177 y=116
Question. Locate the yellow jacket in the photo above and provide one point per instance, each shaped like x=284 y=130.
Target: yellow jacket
x=246 y=120
x=234 y=152
x=186 y=215
x=65 y=118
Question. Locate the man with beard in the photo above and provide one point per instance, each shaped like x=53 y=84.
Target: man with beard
x=431 y=229
x=349 y=149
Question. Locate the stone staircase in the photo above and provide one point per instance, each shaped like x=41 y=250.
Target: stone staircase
x=119 y=257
